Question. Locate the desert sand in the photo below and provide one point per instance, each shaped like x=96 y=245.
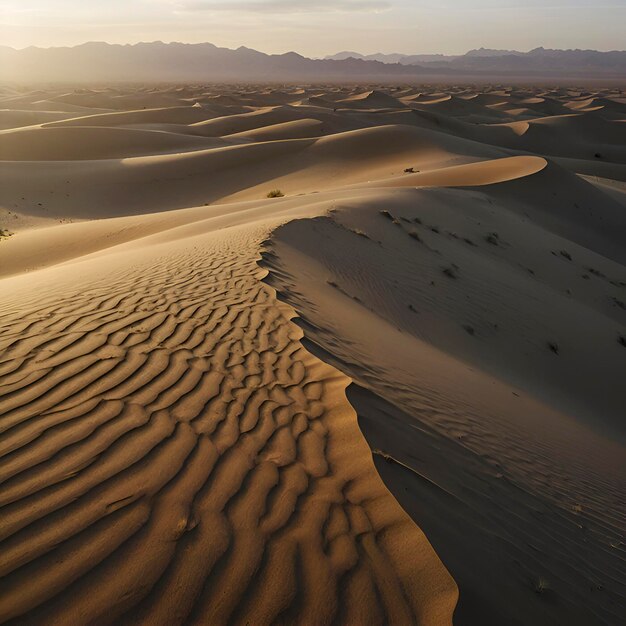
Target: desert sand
x=393 y=394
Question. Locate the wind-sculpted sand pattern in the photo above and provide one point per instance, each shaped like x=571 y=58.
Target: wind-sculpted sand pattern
x=171 y=453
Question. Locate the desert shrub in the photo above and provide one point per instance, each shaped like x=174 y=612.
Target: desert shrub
x=620 y=303
x=275 y=193
x=595 y=272
x=541 y=585
x=450 y=272
x=553 y=347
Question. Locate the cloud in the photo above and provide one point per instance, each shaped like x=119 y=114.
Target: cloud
x=286 y=6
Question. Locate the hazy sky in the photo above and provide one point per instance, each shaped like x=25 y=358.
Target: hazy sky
x=319 y=27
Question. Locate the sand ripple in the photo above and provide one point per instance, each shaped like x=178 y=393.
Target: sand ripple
x=171 y=453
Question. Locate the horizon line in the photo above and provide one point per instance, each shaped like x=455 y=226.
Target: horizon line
x=200 y=43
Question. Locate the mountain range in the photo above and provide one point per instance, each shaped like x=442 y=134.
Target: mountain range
x=539 y=59
x=205 y=62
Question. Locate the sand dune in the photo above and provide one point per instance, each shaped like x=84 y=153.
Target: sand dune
x=150 y=183
x=168 y=115
x=468 y=382
x=391 y=395
x=469 y=110
x=296 y=129
x=253 y=120
x=182 y=420
x=470 y=175
x=93 y=143
x=14 y=118
x=371 y=100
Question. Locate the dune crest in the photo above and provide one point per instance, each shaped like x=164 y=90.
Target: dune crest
x=180 y=426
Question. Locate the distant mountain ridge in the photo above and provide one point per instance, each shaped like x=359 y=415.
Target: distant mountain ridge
x=484 y=59
x=163 y=62
x=404 y=59
x=205 y=62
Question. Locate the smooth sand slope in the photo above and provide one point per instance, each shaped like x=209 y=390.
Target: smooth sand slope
x=219 y=408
